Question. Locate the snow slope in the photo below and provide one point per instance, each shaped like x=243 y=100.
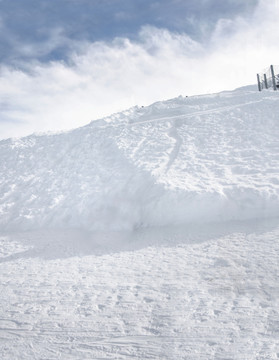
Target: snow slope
x=191 y=159
x=151 y=234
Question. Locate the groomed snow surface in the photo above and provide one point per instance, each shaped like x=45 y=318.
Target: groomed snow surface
x=150 y=234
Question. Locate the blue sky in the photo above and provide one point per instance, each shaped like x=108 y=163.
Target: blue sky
x=44 y=29
x=64 y=63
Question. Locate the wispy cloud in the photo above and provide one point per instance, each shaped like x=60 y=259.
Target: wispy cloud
x=100 y=78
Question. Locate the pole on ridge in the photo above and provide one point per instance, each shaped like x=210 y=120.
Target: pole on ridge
x=259 y=83
x=265 y=81
x=273 y=78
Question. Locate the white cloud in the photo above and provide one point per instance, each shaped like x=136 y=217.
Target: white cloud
x=102 y=78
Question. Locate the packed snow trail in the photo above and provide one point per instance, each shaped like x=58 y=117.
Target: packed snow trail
x=196 y=159
x=162 y=294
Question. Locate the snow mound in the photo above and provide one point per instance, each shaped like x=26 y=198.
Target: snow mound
x=193 y=159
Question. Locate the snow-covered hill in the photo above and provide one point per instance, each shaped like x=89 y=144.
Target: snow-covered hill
x=151 y=234
x=194 y=159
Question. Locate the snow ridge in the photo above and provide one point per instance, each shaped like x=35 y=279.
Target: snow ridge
x=187 y=160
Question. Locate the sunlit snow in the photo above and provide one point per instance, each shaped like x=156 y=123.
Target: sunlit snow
x=150 y=234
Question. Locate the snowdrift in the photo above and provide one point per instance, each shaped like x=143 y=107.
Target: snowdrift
x=194 y=159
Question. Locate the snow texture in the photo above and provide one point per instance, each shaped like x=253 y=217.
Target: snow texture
x=194 y=159
x=150 y=234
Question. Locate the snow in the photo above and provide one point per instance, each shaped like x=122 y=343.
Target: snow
x=204 y=158
x=150 y=234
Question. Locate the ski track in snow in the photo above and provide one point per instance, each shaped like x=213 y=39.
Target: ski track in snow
x=151 y=234
x=197 y=113
x=173 y=133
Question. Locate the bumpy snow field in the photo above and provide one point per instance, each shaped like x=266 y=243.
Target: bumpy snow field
x=151 y=234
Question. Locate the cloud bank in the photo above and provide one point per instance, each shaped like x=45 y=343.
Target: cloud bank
x=100 y=78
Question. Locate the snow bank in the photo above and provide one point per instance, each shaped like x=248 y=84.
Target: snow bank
x=195 y=159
